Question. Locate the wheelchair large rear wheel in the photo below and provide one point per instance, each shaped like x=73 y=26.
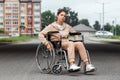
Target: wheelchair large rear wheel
x=45 y=58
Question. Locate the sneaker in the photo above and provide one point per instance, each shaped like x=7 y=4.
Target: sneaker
x=74 y=67
x=90 y=68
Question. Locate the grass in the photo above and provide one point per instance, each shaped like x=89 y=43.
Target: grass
x=17 y=39
x=115 y=37
x=112 y=37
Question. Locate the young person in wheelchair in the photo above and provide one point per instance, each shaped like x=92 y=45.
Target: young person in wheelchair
x=64 y=29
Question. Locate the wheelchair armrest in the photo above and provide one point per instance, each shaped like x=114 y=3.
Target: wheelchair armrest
x=76 y=40
x=79 y=34
x=52 y=32
x=76 y=33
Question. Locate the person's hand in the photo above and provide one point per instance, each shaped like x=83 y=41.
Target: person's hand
x=48 y=46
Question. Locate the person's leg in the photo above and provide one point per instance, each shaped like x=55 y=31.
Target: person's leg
x=80 y=47
x=69 y=46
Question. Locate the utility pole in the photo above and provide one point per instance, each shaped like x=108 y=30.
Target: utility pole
x=103 y=15
x=115 y=26
x=100 y=21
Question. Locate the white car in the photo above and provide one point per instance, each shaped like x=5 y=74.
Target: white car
x=103 y=33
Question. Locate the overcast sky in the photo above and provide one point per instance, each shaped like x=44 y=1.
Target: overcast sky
x=88 y=9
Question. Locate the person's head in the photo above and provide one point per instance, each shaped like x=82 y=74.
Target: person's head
x=61 y=14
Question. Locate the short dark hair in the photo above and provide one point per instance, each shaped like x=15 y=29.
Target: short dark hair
x=60 y=10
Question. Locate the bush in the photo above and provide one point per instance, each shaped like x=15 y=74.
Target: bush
x=1 y=31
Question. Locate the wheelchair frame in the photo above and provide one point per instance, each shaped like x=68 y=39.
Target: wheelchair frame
x=56 y=58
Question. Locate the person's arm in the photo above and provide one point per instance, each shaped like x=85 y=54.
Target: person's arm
x=43 y=33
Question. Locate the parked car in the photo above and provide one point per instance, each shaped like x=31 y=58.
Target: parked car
x=103 y=33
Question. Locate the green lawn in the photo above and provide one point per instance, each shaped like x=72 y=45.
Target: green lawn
x=112 y=37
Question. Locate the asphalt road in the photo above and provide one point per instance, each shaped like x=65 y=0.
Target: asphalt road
x=17 y=62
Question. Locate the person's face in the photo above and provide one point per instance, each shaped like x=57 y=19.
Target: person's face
x=61 y=16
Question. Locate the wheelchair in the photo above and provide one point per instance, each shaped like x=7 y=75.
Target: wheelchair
x=52 y=61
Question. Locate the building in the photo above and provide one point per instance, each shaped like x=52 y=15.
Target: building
x=20 y=16
x=85 y=30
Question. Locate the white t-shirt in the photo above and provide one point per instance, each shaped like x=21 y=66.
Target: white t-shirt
x=60 y=27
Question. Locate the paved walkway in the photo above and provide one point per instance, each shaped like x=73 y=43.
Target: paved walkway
x=32 y=41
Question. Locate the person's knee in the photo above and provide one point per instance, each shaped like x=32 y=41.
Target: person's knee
x=79 y=43
x=71 y=44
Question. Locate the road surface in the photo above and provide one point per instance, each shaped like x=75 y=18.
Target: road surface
x=17 y=62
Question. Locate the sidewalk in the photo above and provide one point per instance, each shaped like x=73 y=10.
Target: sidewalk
x=32 y=41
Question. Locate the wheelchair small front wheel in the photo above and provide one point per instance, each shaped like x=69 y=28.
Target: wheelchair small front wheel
x=57 y=69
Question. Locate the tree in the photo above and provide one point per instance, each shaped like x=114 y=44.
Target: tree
x=72 y=16
x=21 y=28
x=85 y=22
x=96 y=25
x=117 y=28
x=47 y=18
x=107 y=27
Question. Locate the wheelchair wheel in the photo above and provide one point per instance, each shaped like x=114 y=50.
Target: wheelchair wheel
x=57 y=69
x=45 y=58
